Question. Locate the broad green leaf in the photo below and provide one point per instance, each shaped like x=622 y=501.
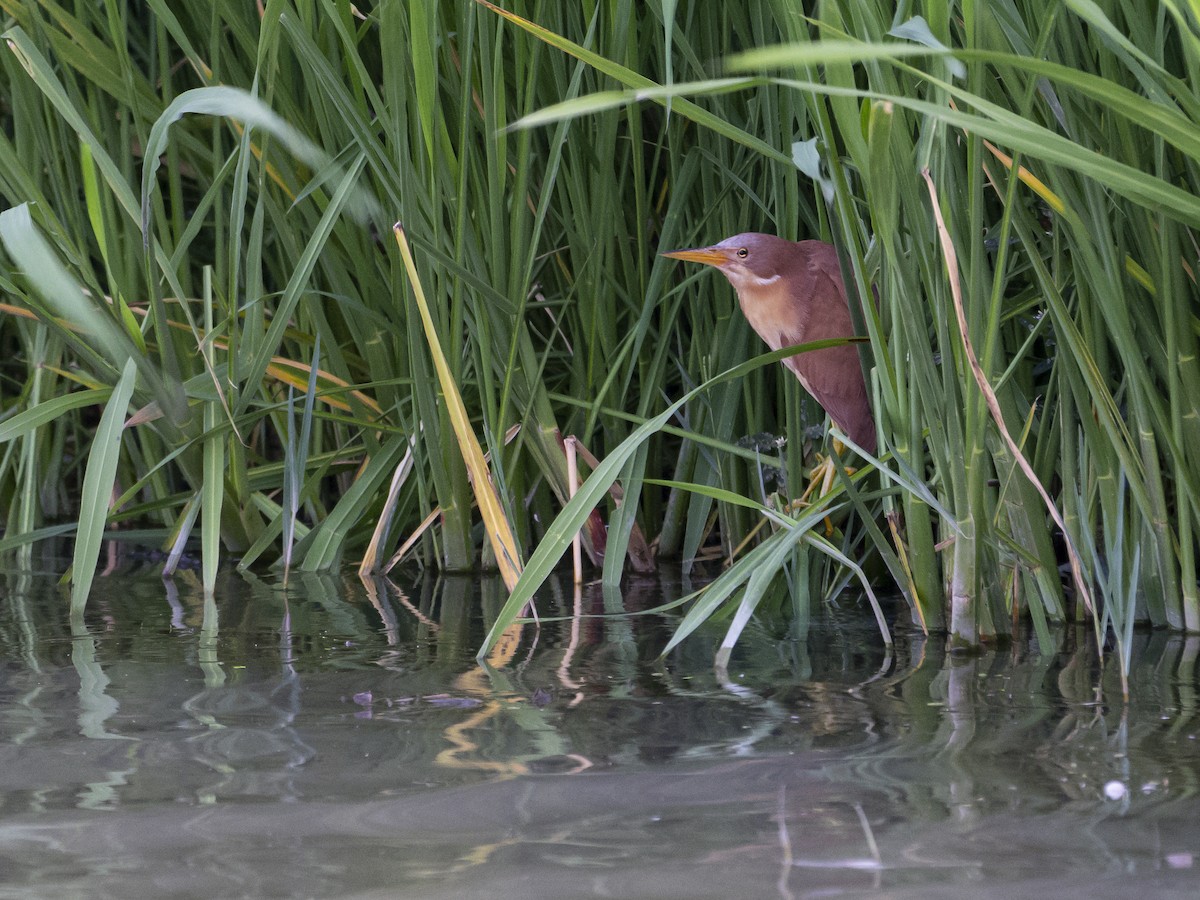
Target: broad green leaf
x=48 y=411
x=241 y=106
x=41 y=265
x=98 y=482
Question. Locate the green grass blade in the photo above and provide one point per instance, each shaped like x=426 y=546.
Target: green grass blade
x=98 y=482
x=323 y=546
x=627 y=76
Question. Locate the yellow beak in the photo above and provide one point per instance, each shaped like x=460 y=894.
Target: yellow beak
x=710 y=256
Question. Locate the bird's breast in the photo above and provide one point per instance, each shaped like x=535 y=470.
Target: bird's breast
x=779 y=320
x=773 y=314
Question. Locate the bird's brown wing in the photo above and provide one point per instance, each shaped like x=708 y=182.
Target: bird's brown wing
x=844 y=397
x=834 y=375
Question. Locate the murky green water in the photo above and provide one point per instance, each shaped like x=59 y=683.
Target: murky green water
x=330 y=740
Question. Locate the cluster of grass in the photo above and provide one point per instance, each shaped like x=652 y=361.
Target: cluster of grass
x=197 y=211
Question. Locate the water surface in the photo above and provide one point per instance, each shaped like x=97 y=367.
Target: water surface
x=332 y=739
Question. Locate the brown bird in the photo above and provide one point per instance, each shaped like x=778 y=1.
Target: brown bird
x=792 y=293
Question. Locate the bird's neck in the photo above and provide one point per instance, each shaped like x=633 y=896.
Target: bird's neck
x=773 y=313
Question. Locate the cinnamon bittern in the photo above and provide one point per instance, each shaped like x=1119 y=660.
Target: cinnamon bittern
x=792 y=293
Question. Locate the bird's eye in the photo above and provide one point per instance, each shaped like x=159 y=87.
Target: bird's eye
x=743 y=253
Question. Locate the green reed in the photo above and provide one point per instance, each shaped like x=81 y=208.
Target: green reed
x=209 y=190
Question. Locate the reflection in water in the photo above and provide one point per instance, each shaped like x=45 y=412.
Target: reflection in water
x=96 y=708
x=334 y=737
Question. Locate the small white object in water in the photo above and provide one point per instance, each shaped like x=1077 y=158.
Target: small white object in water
x=1114 y=790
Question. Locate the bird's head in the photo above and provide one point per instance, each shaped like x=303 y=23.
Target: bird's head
x=750 y=261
